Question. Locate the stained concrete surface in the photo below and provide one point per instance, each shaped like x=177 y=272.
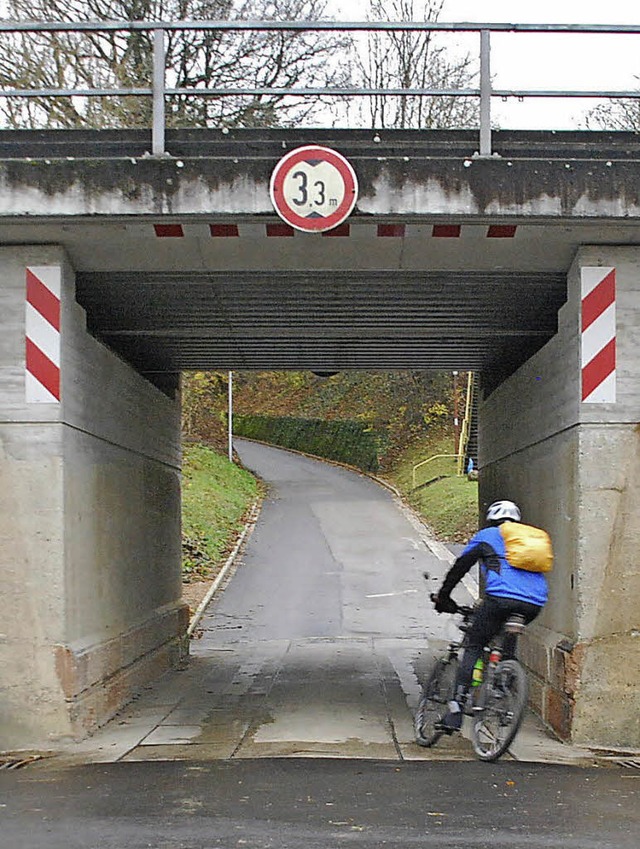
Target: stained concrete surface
x=319 y=642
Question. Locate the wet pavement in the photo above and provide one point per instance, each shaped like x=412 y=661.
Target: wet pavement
x=318 y=644
x=305 y=698
x=319 y=804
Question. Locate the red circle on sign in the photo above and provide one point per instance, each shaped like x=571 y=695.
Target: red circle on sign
x=312 y=156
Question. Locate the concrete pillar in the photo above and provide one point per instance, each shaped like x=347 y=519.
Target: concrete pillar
x=574 y=468
x=89 y=515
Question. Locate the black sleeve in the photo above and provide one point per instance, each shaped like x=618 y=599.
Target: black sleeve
x=481 y=551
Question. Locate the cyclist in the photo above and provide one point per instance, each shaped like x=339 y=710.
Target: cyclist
x=507 y=590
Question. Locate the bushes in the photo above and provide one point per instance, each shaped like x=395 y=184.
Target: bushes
x=345 y=441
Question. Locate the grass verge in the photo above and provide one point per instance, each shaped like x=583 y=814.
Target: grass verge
x=448 y=506
x=216 y=497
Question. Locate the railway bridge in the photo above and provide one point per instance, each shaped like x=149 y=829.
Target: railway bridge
x=120 y=269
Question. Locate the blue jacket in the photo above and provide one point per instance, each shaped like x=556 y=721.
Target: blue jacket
x=501 y=579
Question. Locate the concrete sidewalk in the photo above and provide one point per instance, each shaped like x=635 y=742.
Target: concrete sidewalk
x=335 y=698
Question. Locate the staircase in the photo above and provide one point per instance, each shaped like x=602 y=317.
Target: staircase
x=469 y=447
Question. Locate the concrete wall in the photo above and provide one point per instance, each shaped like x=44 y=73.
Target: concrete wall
x=550 y=175
x=89 y=527
x=575 y=469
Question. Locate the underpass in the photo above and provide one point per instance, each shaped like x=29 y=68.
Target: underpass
x=318 y=643
x=158 y=265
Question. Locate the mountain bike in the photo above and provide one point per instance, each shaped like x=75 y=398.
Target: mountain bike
x=496 y=701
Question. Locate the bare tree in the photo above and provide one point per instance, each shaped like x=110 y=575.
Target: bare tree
x=615 y=114
x=413 y=60
x=196 y=59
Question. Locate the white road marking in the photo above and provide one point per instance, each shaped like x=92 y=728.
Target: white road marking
x=388 y=595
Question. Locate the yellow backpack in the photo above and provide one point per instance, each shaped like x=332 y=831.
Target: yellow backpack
x=527 y=547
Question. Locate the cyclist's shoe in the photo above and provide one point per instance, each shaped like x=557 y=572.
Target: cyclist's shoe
x=450 y=722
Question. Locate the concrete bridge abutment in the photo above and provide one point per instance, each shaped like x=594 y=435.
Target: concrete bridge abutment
x=574 y=468
x=89 y=514
x=448 y=261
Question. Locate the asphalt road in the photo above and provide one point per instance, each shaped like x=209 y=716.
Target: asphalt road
x=319 y=804
x=332 y=556
x=328 y=607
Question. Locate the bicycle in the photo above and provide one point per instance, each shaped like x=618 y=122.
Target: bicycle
x=496 y=704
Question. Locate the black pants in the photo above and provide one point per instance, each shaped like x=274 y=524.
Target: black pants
x=486 y=623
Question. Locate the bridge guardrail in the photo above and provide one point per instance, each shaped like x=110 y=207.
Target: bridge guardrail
x=159 y=91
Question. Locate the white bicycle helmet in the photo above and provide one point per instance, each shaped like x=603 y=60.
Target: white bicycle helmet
x=503 y=510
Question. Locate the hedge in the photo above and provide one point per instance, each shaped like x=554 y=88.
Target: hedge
x=345 y=441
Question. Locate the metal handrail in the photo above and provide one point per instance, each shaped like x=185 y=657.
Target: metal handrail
x=430 y=460
x=159 y=91
x=7 y=25
x=462 y=445
x=466 y=425
x=462 y=441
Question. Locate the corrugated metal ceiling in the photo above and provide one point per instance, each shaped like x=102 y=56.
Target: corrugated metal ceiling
x=322 y=320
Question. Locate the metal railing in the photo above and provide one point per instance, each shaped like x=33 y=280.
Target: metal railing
x=159 y=91
x=463 y=441
x=465 y=430
x=444 y=469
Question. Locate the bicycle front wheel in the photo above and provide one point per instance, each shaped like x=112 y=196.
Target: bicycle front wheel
x=433 y=704
x=505 y=699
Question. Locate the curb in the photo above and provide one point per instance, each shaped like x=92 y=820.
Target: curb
x=248 y=527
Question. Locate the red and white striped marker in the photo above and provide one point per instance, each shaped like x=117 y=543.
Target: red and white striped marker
x=42 y=378
x=598 y=335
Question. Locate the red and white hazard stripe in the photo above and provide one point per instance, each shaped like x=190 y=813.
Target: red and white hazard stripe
x=598 y=335
x=42 y=379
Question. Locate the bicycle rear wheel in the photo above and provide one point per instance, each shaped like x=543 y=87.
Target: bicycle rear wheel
x=433 y=704
x=497 y=723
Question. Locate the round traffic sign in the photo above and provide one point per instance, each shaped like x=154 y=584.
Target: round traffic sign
x=314 y=188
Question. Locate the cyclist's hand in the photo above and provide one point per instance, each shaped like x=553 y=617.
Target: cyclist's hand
x=444 y=604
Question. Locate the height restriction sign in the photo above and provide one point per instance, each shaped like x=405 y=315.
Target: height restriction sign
x=314 y=188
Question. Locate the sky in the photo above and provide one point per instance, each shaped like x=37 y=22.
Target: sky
x=543 y=61
x=539 y=61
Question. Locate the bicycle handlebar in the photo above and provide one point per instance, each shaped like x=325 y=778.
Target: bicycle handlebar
x=462 y=609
